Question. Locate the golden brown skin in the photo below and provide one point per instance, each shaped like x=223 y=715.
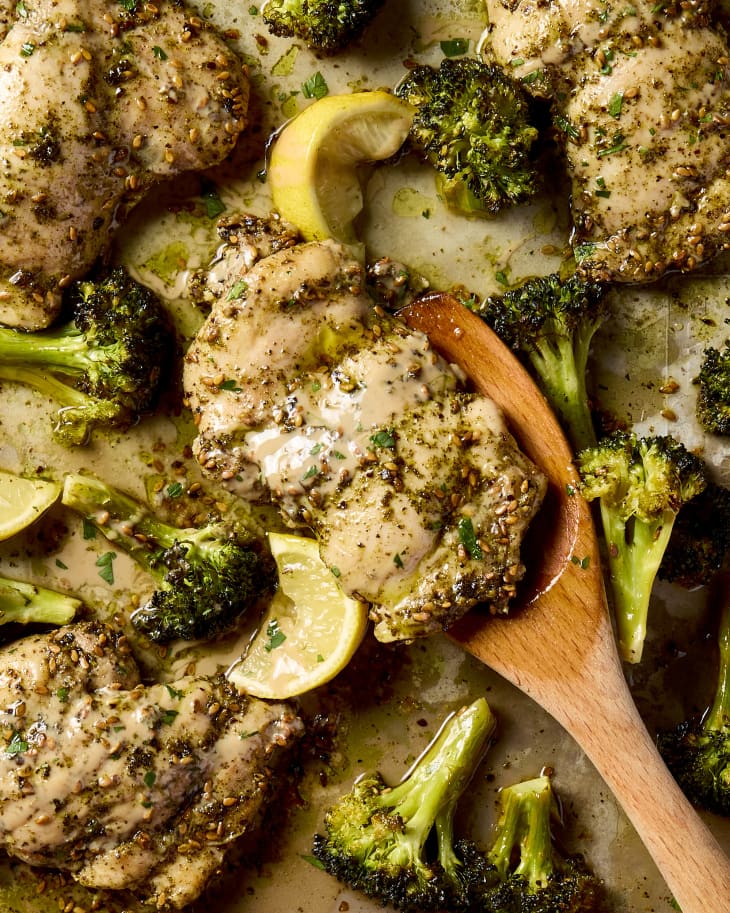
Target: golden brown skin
x=641 y=96
x=97 y=104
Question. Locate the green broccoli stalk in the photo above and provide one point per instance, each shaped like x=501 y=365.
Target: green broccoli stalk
x=534 y=877
x=473 y=125
x=713 y=398
x=205 y=578
x=698 y=752
x=376 y=836
x=550 y=324
x=104 y=368
x=641 y=483
x=27 y=603
x=324 y=25
x=700 y=540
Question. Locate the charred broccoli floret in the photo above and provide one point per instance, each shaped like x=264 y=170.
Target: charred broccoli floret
x=550 y=324
x=205 y=578
x=698 y=751
x=473 y=125
x=700 y=540
x=641 y=483
x=376 y=836
x=713 y=397
x=324 y=25
x=105 y=366
x=27 y=603
x=525 y=872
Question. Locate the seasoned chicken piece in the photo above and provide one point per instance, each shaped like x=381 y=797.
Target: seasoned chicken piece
x=99 y=101
x=642 y=103
x=125 y=785
x=245 y=239
x=415 y=490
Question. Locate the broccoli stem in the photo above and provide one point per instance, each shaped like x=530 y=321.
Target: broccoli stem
x=718 y=716
x=635 y=552
x=45 y=383
x=26 y=603
x=121 y=518
x=65 y=349
x=524 y=826
x=561 y=363
x=427 y=795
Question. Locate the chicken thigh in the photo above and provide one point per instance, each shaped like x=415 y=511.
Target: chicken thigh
x=304 y=392
x=127 y=786
x=98 y=101
x=641 y=97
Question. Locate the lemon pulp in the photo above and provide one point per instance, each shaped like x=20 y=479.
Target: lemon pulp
x=310 y=630
x=314 y=169
x=23 y=501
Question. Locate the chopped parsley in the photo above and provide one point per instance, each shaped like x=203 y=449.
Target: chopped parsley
x=17 y=745
x=105 y=563
x=237 y=290
x=384 y=439
x=275 y=634
x=468 y=538
x=315 y=86
x=454 y=47
x=616 y=104
x=214 y=206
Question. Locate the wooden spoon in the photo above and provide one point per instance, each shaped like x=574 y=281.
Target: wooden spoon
x=559 y=647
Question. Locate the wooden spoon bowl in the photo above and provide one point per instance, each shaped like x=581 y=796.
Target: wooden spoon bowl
x=558 y=646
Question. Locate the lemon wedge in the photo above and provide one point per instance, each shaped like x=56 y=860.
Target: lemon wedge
x=22 y=501
x=314 y=169
x=310 y=630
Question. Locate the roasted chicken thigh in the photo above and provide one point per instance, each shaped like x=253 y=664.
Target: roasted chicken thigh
x=641 y=98
x=305 y=392
x=127 y=786
x=98 y=101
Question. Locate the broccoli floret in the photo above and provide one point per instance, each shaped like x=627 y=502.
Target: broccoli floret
x=105 y=366
x=27 y=603
x=698 y=751
x=641 y=484
x=324 y=25
x=713 y=398
x=473 y=125
x=376 y=836
x=205 y=578
x=550 y=324
x=700 y=540
x=533 y=876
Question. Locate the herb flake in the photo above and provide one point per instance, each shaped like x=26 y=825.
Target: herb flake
x=275 y=634
x=468 y=538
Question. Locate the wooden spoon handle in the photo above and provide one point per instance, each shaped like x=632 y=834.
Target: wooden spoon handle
x=577 y=677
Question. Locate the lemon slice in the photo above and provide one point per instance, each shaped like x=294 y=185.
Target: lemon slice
x=310 y=630
x=22 y=501
x=313 y=170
